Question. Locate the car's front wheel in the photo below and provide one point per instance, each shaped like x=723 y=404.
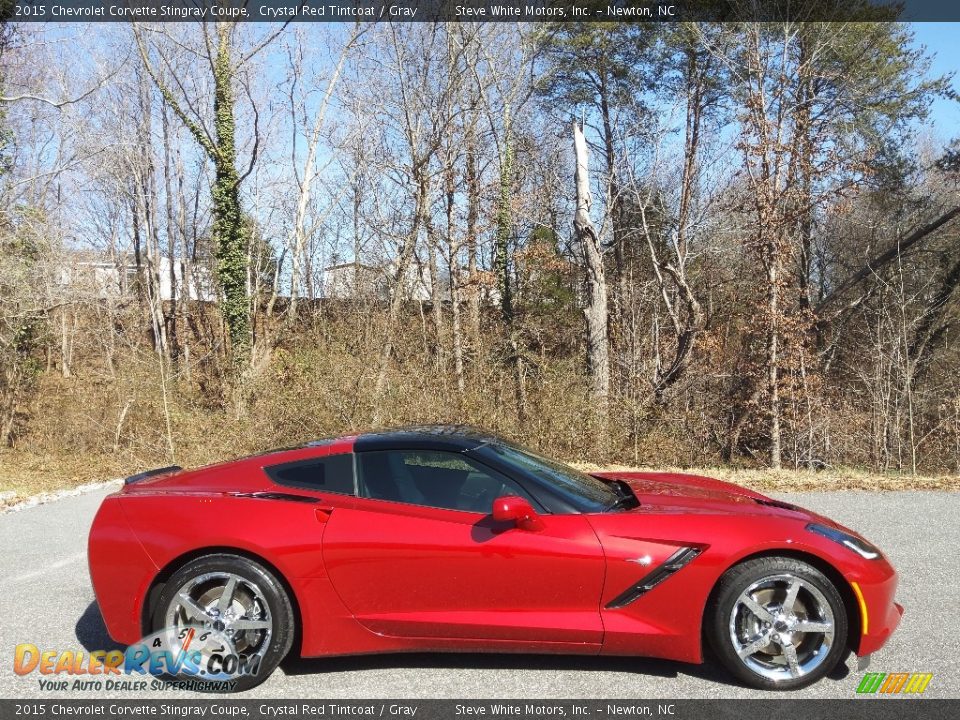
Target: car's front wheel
x=230 y=616
x=777 y=623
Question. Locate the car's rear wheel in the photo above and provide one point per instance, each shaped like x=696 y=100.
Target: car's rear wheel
x=230 y=607
x=777 y=623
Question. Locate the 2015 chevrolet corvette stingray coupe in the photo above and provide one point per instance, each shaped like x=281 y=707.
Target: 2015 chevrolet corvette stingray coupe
x=449 y=539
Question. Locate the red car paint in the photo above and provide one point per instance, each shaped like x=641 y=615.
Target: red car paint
x=371 y=576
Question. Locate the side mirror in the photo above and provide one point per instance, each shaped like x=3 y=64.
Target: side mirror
x=518 y=511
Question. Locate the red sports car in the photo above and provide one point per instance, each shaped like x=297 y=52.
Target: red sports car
x=445 y=538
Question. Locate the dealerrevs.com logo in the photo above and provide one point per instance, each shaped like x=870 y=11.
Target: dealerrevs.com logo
x=894 y=683
x=186 y=658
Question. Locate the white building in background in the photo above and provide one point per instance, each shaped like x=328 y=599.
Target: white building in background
x=96 y=278
x=103 y=279
x=353 y=280
x=198 y=286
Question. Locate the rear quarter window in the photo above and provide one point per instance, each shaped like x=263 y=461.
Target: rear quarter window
x=332 y=474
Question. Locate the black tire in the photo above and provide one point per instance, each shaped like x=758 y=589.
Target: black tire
x=272 y=593
x=728 y=618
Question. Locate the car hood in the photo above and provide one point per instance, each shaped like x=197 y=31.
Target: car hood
x=683 y=493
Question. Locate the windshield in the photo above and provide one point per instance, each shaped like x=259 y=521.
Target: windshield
x=594 y=494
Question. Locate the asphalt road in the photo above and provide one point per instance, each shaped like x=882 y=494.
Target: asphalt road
x=46 y=599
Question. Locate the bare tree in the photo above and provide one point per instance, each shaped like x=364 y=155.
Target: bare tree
x=308 y=174
x=598 y=341
x=212 y=123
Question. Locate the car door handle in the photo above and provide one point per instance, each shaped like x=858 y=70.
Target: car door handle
x=323 y=513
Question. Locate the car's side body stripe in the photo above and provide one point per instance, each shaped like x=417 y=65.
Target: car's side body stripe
x=656 y=576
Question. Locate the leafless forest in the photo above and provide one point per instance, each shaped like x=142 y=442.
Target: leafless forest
x=682 y=245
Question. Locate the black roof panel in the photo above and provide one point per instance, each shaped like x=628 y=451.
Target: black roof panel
x=448 y=437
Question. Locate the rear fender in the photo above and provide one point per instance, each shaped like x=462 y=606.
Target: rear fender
x=282 y=531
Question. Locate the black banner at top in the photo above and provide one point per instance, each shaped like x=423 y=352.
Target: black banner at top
x=528 y=11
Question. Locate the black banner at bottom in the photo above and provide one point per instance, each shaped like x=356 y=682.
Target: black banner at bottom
x=873 y=708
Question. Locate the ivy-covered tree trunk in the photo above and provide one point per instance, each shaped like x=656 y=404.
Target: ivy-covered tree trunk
x=504 y=219
x=502 y=249
x=229 y=235
x=229 y=231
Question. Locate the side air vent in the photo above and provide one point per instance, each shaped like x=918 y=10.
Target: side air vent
x=656 y=576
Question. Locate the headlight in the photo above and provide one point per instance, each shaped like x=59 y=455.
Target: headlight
x=860 y=547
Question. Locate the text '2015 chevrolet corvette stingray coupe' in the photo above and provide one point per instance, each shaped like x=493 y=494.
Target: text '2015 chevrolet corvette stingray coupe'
x=450 y=539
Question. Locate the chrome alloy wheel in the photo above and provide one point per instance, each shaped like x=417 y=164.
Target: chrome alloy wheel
x=226 y=604
x=782 y=627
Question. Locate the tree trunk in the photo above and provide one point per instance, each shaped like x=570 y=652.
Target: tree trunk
x=473 y=213
x=436 y=305
x=502 y=268
x=146 y=194
x=614 y=201
x=399 y=289
x=686 y=319
x=453 y=263
x=230 y=238
x=297 y=245
x=504 y=222
x=171 y=315
x=773 y=353
x=598 y=358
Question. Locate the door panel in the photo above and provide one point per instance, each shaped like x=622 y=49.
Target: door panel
x=413 y=571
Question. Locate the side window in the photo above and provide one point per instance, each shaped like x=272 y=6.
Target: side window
x=326 y=474
x=433 y=479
